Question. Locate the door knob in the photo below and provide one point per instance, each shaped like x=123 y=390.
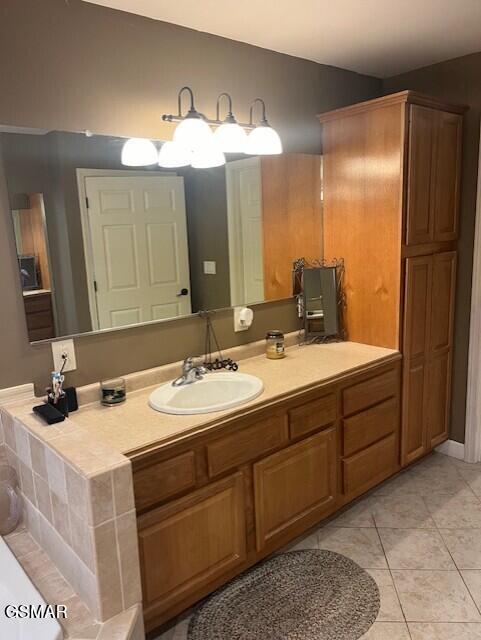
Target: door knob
x=183 y=292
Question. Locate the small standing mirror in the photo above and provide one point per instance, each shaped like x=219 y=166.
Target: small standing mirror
x=319 y=288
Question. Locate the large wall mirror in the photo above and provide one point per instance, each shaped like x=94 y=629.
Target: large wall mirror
x=102 y=247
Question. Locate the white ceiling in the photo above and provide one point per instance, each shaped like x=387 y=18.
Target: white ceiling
x=377 y=37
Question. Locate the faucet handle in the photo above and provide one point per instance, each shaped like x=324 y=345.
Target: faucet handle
x=188 y=364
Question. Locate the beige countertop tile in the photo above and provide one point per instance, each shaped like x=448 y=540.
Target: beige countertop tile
x=134 y=425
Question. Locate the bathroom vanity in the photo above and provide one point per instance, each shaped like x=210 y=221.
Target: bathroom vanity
x=218 y=492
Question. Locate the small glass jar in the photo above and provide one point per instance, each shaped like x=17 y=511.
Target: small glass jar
x=113 y=391
x=275 y=348
x=10 y=500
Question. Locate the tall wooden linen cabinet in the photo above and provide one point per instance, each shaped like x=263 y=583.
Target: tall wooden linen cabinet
x=391 y=184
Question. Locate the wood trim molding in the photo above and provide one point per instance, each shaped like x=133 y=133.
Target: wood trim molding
x=412 y=97
x=472 y=449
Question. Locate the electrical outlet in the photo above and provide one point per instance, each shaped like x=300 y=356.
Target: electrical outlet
x=64 y=347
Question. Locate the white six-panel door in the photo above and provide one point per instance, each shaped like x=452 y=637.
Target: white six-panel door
x=139 y=248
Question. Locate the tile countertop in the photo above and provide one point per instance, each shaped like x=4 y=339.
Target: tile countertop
x=133 y=426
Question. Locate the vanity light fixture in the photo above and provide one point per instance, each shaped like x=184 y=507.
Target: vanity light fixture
x=194 y=143
x=139 y=152
x=263 y=139
x=193 y=135
x=230 y=136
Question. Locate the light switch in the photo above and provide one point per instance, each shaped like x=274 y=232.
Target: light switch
x=210 y=267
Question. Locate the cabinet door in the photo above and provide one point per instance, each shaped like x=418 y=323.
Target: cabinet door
x=191 y=542
x=441 y=339
x=417 y=313
x=446 y=175
x=296 y=483
x=420 y=224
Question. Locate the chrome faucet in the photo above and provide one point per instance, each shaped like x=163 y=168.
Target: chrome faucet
x=190 y=373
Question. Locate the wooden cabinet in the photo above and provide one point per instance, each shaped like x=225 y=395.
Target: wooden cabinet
x=434 y=171
x=428 y=329
x=295 y=484
x=39 y=315
x=419 y=226
x=370 y=466
x=218 y=501
x=291 y=217
x=415 y=365
x=392 y=169
x=191 y=542
x=447 y=175
x=441 y=346
x=246 y=443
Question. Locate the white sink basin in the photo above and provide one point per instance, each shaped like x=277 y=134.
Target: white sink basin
x=215 y=392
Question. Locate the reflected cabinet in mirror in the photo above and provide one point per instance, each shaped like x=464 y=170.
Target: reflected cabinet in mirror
x=102 y=247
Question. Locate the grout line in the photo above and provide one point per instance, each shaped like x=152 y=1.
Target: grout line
x=392 y=577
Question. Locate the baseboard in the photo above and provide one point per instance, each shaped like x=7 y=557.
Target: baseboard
x=17 y=394
x=452 y=448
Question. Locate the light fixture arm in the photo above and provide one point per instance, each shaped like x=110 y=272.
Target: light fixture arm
x=193 y=113
x=179 y=101
x=253 y=103
x=230 y=115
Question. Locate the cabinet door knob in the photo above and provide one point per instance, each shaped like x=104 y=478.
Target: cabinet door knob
x=183 y=292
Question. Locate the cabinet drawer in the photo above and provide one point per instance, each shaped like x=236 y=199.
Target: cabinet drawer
x=293 y=485
x=40 y=320
x=369 y=392
x=370 y=466
x=312 y=416
x=163 y=480
x=246 y=444
x=33 y=304
x=362 y=429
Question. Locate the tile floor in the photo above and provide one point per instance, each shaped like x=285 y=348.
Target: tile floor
x=419 y=536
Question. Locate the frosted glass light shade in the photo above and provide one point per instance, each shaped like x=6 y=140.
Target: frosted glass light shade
x=172 y=155
x=263 y=141
x=192 y=133
x=230 y=137
x=139 y=152
x=207 y=156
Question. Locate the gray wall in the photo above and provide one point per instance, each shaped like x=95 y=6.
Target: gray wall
x=206 y=204
x=73 y=66
x=457 y=81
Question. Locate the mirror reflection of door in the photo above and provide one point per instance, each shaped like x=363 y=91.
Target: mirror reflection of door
x=138 y=254
x=244 y=215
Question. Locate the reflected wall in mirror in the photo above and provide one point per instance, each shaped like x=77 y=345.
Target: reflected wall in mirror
x=102 y=247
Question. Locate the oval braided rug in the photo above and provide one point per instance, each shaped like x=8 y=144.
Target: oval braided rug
x=301 y=595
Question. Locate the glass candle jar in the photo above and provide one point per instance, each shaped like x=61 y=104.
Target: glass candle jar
x=113 y=391
x=275 y=348
x=10 y=500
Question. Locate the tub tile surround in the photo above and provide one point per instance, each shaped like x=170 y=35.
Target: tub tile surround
x=80 y=624
x=74 y=518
